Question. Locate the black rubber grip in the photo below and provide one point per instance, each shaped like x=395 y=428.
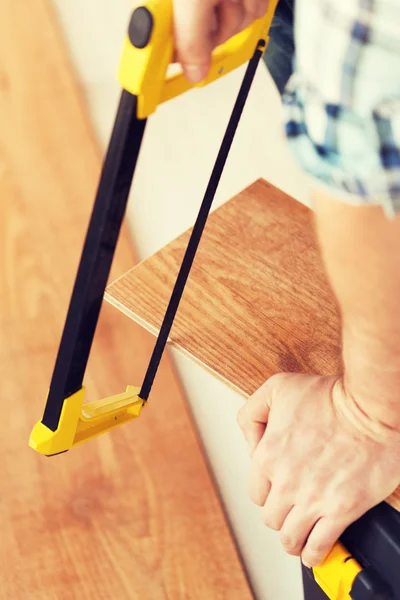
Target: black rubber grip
x=96 y=259
x=141 y=27
x=369 y=586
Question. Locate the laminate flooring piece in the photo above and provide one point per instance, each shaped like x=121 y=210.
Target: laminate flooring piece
x=257 y=301
x=133 y=514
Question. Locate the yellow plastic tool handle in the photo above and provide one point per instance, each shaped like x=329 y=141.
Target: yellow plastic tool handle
x=337 y=574
x=148 y=51
x=80 y=422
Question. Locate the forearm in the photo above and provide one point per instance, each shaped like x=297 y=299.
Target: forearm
x=361 y=251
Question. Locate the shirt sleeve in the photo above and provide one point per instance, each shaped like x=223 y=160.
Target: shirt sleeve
x=342 y=104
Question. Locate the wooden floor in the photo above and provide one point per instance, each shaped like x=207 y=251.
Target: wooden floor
x=133 y=515
x=257 y=301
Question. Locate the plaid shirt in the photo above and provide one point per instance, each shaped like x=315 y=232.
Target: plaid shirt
x=342 y=104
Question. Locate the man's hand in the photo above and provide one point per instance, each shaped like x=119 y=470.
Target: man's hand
x=201 y=25
x=314 y=470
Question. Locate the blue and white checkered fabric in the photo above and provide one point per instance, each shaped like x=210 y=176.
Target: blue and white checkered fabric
x=342 y=105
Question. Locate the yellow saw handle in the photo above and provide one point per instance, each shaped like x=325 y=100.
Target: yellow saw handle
x=148 y=51
x=81 y=422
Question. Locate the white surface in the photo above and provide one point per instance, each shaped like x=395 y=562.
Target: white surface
x=179 y=150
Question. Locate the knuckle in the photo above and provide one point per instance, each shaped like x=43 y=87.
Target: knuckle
x=285 y=487
x=346 y=506
x=312 y=559
x=190 y=51
x=258 y=489
x=256 y=498
x=342 y=511
x=273 y=449
x=309 y=500
x=318 y=548
x=262 y=462
x=271 y=522
x=290 y=544
x=316 y=552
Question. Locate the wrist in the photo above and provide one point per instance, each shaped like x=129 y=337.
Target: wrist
x=371 y=378
x=362 y=423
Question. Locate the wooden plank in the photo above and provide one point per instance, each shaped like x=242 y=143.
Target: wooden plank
x=134 y=514
x=257 y=301
x=251 y=307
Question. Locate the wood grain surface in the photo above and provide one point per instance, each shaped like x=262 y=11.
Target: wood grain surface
x=134 y=514
x=257 y=301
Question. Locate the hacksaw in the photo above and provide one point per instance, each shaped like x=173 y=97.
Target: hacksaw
x=147 y=53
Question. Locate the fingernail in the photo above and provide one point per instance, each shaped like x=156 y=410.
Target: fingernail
x=194 y=73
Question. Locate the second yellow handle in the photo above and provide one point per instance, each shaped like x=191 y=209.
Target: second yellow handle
x=148 y=51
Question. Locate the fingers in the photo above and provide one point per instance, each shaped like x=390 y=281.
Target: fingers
x=231 y=19
x=321 y=540
x=195 y=22
x=236 y=15
x=296 y=529
x=253 y=429
x=309 y=473
x=201 y=25
x=256 y=8
x=302 y=532
x=259 y=485
x=278 y=505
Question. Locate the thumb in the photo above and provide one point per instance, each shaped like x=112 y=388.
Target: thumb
x=195 y=26
x=253 y=416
